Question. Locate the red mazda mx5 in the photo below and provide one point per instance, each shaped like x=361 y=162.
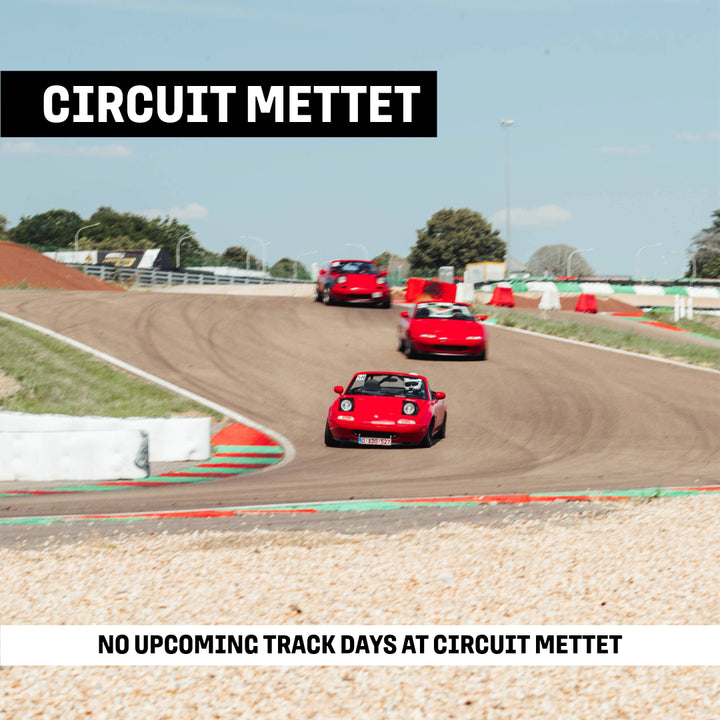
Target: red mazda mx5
x=384 y=409
x=441 y=328
x=353 y=281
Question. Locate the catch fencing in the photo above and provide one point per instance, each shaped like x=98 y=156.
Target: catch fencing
x=153 y=277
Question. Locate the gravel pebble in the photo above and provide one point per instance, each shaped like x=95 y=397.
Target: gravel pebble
x=647 y=563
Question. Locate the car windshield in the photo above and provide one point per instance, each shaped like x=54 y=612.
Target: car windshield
x=354 y=267
x=388 y=385
x=446 y=311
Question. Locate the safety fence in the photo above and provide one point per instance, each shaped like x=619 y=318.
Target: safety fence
x=152 y=277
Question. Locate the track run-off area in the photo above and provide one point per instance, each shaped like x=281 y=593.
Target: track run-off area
x=539 y=416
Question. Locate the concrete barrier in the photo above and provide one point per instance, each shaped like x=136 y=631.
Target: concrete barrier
x=169 y=439
x=74 y=455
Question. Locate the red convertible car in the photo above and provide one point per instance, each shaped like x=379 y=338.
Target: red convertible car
x=353 y=281
x=441 y=328
x=386 y=408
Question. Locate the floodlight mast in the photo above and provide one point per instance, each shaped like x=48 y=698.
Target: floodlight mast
x=507 y=124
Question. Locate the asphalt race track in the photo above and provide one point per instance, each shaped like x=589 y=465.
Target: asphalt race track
x=538 y=415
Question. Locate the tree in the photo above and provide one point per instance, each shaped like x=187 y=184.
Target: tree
x=387 y=260
x=455 y=237
x=704 y=251
x=285 y=268
x=238 y=256
x=553 y=260
x=54 y=228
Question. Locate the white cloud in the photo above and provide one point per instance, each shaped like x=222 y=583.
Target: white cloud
x=542 y=215
x=699 y=137
x=30 y=147
x=192 y=211
x=623 y=149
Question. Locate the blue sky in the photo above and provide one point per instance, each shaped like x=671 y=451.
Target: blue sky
x=616 y=142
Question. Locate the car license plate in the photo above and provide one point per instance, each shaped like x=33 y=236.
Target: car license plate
x=375 y=441
x=377 y=294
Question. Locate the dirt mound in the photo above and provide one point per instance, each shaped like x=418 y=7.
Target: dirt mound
x=22 y=266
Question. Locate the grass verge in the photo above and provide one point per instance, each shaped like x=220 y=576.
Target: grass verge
x=57 y=378
x=693 y=354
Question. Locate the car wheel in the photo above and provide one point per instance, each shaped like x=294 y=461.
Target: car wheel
x=330 y=441
x=401 y=344
x=385 y=304
x=427 y=441
x=409 y=349
x=443 y=428
x=483 y=354
x=326 y=297
x=318 y=295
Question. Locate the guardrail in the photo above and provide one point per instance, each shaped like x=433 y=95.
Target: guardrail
x=149 y=278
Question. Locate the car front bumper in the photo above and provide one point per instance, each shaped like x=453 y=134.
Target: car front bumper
x=399 y=434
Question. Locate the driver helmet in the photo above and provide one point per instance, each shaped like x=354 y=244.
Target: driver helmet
x=413 y=384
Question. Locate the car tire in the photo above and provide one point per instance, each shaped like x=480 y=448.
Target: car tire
x=400 y=344
x=409 y=349
x=330 y=441
x=443 y=428
x=482 y=355
x=427 y=441
x=385 y=304
x=318 y=295
x=326 y=297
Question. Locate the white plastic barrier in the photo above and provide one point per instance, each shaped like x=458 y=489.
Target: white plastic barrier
x=169 y=439
x=74 y=456
x=550 y=299
x=465 y=292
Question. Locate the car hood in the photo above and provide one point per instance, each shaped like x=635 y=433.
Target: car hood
x=446 y=329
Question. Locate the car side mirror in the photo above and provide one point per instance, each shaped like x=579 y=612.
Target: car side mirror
x=338 y=389
x=482 y=318
x=404 y=314
x=323 y=271
x=440 y=395
x=383 y=273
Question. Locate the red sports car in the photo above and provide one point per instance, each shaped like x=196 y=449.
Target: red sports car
x=441 y=328
x=353 y=281
x=386 y=408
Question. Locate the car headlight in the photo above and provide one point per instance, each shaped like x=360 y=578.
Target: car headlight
x=409 y=408
x=474 y=337
x=342 y=279
x=346 y=404
x=429 y=336
x=381 y=280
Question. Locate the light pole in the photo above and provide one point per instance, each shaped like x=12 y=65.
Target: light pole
x=507 y=124
x=357 y=245
x=637 y=256
x=177 y=248
x=77 y=234
x=263 y=245
x=312 y=252
x=571 y=254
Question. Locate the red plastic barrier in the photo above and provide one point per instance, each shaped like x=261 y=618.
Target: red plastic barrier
x=421 y=289
x=586 y=303
x=502 y=296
